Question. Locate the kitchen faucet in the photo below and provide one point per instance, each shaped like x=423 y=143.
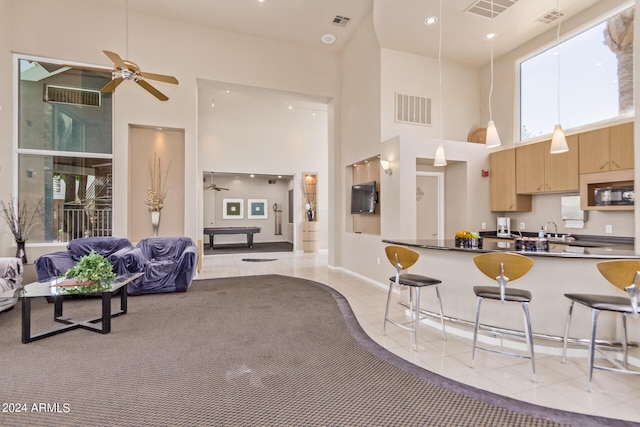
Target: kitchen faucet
x=554 y=225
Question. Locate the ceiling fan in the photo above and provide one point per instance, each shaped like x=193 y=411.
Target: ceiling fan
x=215 y=187
x=127 y=70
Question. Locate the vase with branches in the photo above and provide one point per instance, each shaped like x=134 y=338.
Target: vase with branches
x=157 y=191
x=21 y=220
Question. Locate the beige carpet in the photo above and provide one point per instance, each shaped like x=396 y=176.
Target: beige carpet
x=248 y=351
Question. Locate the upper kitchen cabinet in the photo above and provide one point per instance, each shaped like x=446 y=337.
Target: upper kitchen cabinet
x=530 y=169
x=621 y=146
x=502 y=165
x=561 y=170
x=539 y=171
x=607 y=149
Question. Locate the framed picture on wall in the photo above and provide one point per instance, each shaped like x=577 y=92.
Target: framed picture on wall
x=232 y=209
x=257 y=208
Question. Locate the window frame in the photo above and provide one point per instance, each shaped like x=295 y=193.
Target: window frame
x=564 y=36
x=17 y=151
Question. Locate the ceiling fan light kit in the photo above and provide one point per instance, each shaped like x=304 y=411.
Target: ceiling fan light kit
x=127 y=70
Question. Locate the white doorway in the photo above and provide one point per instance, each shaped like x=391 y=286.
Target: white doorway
x=430 y=206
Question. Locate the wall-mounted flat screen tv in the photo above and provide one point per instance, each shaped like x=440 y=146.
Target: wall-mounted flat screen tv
x=364 y=198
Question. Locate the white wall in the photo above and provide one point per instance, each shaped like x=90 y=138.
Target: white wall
x=254 y=131
x=245 y=188
x=360 y=118
x=413 y=75
x=505 y=113
x=359 y=140
x=417 y=75
x=158 y=45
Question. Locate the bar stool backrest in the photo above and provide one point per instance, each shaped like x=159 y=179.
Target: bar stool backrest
x=495 y=264
x=398 y=255
x=623 y=274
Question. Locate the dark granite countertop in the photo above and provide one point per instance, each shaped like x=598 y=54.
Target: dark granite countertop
x=580 y=248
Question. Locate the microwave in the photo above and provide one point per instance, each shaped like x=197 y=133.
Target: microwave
x=614 y=196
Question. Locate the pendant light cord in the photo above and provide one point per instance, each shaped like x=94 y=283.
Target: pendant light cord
x=491 y=87
x=558 y=54
x=126 y=32
x=440 y=65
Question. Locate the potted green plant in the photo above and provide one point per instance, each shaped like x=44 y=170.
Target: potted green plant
x=93 y=273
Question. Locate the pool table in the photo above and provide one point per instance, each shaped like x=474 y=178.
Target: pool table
x=249 y=231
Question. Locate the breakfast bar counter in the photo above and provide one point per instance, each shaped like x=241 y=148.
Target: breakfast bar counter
x=564 y=268
x=557 y=249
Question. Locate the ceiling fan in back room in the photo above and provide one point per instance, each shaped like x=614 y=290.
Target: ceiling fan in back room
x=215 y=187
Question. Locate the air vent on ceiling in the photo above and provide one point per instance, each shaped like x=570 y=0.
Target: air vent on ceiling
x=341 y=20
x=484 y=8
x=413 y=109
x=551 y=16
x=69 y=95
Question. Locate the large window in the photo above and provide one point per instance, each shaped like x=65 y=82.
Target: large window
x=595 y=72
x=65 y=149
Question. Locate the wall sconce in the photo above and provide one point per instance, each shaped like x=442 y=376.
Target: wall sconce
x=387 y=168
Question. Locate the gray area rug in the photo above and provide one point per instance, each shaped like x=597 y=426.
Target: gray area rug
x=247 y=351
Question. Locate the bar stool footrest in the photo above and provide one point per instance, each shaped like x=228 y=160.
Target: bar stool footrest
x=505 y=353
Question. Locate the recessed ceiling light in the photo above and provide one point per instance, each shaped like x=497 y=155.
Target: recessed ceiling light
x=490 y=36
x=252 y=176
x=328 y=39
x=430 y=20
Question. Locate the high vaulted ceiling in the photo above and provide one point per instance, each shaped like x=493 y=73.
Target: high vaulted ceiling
x=399 y=24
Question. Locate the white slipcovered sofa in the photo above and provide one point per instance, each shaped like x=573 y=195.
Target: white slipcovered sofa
x=10 y=279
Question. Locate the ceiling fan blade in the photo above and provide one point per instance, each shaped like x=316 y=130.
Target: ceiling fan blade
x=112 y=85
x=159 y=77
x=82 y=67
x=155 y=92
x=115 y=58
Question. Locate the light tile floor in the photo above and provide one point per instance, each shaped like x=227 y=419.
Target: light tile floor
x=558 y=385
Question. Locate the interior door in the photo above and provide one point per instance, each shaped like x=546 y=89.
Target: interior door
x=429 y=221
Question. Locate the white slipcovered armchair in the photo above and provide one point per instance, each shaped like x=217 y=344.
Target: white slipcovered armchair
x=10 y=279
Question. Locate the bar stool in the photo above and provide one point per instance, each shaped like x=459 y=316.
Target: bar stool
x=402 y=258
x=504 y=267
x=623 y=274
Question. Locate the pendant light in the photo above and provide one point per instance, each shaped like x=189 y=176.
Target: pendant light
x=440 y=159
x=492 y=139
x=558 y=140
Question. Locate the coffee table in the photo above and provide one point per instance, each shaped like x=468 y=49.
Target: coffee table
x=49 y=290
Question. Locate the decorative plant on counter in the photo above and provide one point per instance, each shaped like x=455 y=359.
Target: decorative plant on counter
x=93 y=273
x=19 y=219
x=157 y=192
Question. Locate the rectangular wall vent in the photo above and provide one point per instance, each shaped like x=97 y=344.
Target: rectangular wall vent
x=484 y=8
x=69 y=95
x=413 y=109
x=551 y=16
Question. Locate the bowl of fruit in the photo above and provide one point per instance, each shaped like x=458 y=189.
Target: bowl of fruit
x=468 y=239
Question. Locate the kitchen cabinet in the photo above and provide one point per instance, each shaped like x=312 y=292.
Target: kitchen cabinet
x=539 y=171
x=530 y=169
x=503 y=195
x=607 y=149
